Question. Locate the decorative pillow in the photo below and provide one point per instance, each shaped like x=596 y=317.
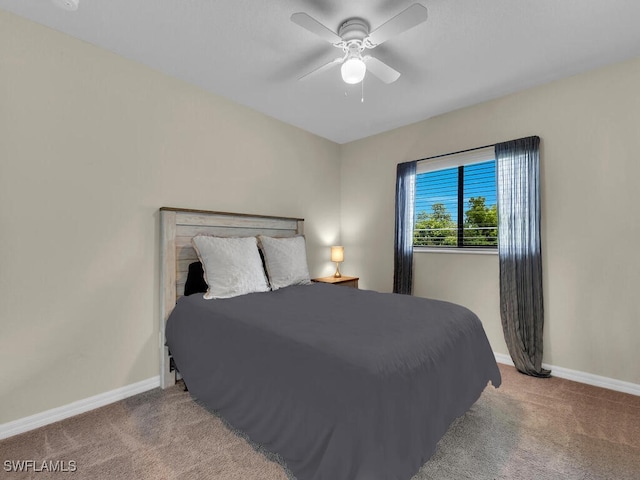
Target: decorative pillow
x=232 y=266
x=285 y=260
x=195 y=280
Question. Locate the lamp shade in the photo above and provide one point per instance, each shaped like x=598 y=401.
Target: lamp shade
x=353 y=70
x=337 y=254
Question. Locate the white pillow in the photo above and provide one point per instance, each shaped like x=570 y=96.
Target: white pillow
x=232 y=266
x=286 y=261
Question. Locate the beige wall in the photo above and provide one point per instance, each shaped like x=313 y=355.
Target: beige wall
x=590 y=130
x=91 y=145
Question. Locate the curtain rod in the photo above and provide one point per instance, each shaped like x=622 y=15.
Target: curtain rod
x=452 y=153
x=455 y=153
x=462 y=151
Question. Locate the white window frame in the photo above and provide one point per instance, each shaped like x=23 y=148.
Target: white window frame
x=454 y=160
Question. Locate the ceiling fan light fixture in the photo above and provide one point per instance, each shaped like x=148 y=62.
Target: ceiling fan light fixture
x=353 y=70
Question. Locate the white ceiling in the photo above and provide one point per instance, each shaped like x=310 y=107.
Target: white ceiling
x=468 y=51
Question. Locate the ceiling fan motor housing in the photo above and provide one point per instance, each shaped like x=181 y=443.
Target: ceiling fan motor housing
x=354 y=29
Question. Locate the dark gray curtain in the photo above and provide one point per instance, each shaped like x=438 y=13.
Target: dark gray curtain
x=403 y=245
x=519 y=249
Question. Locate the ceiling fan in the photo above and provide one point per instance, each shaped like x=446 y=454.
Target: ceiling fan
x=353 y=38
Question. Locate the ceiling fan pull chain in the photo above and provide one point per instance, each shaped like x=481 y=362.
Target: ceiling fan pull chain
x=362 y=91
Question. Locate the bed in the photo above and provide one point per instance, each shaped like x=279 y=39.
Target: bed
x=341 y=383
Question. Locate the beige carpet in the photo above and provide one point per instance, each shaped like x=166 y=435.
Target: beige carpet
x=528 y=429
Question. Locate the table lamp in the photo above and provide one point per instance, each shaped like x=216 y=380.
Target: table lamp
x=337 y=256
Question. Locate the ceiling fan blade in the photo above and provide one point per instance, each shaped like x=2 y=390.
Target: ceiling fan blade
x=322 y=68
x=314 y=26
x=409 y=18
x=381 y=70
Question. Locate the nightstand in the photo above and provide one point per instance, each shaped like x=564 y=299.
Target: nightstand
x=342 y=281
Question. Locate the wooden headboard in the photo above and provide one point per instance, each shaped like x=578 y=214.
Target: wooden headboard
x=177 y=227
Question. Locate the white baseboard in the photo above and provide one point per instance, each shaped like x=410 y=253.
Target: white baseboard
x=582 y=377
x=60 y=413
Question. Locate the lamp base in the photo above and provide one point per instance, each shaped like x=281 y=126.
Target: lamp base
x=337 y=274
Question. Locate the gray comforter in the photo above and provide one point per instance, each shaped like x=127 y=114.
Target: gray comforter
x=344 y=384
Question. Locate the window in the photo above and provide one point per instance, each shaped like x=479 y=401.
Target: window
x=455 y=201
